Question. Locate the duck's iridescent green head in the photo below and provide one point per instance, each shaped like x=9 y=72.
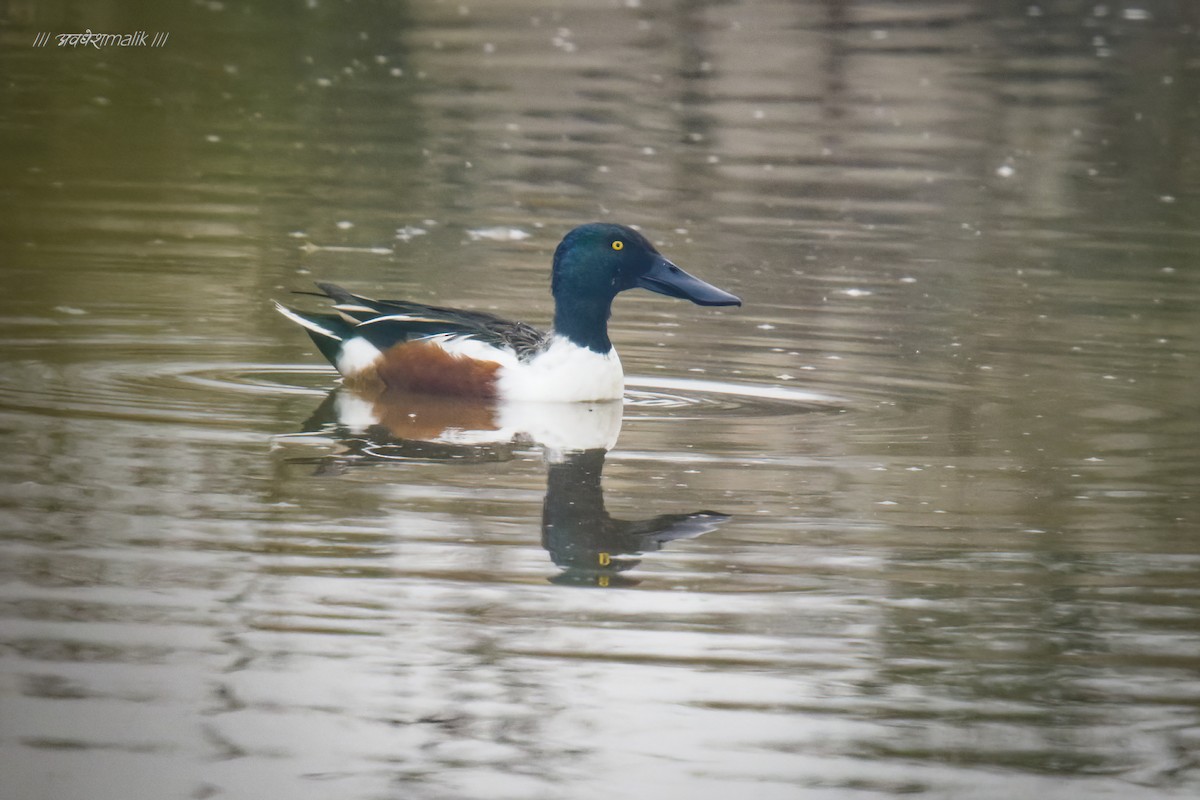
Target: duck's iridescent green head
x=595 y=262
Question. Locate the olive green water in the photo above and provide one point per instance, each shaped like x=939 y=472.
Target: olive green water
x=949 y=448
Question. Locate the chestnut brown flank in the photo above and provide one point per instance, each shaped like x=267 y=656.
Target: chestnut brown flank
x=420 y=367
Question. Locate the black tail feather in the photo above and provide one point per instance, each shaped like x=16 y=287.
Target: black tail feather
x=329 y=347
x=327 y=331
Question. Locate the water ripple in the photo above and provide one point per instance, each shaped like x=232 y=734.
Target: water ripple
x=151 y=391
x=645 y=395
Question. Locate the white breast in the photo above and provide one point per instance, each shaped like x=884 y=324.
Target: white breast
x=564 y=373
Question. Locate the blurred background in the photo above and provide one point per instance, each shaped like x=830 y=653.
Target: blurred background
x=950 y=442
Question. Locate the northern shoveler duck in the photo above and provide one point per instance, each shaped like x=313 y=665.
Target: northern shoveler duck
x=404 y=346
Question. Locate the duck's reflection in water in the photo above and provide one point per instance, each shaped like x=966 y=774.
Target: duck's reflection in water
x=586 y=542
x=591 y=547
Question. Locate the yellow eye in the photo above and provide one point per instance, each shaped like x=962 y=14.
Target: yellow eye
x=618 y=244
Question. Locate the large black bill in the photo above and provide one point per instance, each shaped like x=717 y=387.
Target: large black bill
x=666 y=278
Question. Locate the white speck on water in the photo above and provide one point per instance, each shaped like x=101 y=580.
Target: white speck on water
x=1006 y=170
x=1136 y=14
x=783 y=376
x=497 y=234
x=409 y=232
x=857 y=292
x=766 y=326
x=324 y=83
x=72 y=310
x=212 y=138
x=1166 y=198
x=887 y=503
x=562 y=40
x=309 y=247
x=344 y=225
x=908 y=279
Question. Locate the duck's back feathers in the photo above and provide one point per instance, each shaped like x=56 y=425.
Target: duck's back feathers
x=388 y=322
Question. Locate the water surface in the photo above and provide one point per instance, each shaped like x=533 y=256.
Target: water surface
x=921 y=518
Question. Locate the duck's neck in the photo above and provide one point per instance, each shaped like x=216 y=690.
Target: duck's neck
x=584 y=323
